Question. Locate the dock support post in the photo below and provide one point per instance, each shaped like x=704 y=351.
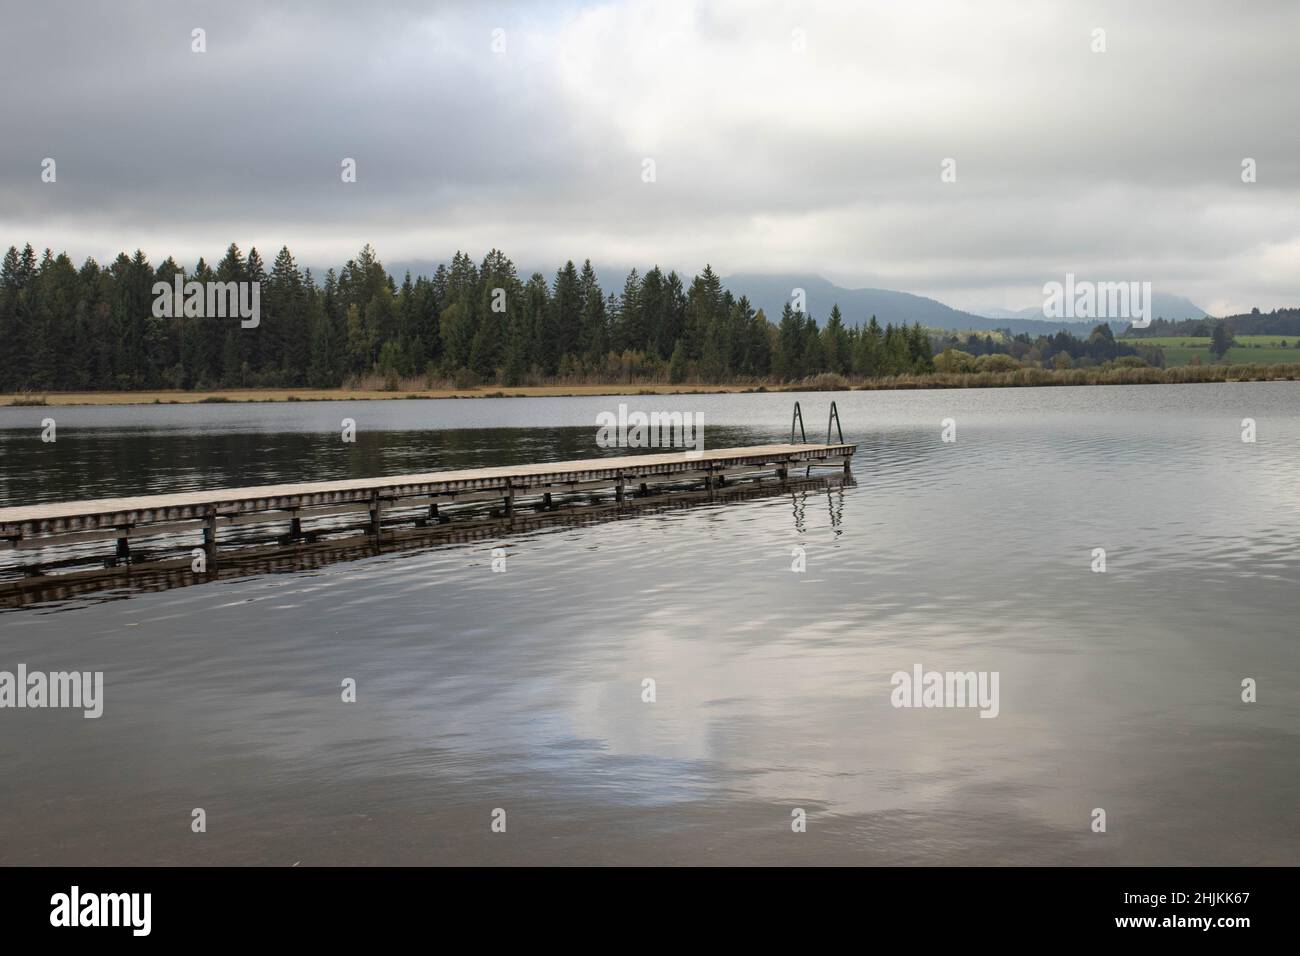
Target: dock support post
x=510 y=501
x=546 y=501
x=210 y=539
x=123 y=549
x=376 y=514
x=618 y=488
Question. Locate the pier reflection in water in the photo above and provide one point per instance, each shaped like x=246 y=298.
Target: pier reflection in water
x=262 y=554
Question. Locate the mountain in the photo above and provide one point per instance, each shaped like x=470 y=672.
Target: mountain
x=771 y=292
x=1164 y=306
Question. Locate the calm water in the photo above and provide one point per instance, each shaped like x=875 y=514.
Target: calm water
x=479 y=690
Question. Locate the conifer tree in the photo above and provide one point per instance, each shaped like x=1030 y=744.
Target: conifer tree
x=835 y=344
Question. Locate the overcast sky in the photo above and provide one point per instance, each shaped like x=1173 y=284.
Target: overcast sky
x=786 y=138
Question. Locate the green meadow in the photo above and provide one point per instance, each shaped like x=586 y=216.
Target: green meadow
x=1248 y=350
x=1203 y=341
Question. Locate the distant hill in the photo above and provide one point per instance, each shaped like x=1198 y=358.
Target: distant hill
x=771 y=292
x=1165 y=306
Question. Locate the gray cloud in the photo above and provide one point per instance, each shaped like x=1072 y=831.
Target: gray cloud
x=1123 y=164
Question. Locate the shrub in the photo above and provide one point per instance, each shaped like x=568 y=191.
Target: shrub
x=952 y=360
x=996 y=362
x=1130 y=361
x=824 y=382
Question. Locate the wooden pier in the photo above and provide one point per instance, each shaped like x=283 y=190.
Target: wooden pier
x=250 y=559
x=385 y=503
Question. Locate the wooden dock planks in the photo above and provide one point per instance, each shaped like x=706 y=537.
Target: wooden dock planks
x=78 y=516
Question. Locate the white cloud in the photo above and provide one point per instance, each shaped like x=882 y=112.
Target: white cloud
x=1124 y=164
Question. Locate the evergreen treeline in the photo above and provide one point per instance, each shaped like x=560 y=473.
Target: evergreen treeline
x=93 y=327
x=1255 y=322
x=1059 y=350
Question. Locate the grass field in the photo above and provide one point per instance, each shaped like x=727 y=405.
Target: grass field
x=1174 y=357
x=1249 y=350
x=1203 y=341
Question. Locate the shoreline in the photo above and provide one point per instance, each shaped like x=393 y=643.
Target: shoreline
x=1020 y=378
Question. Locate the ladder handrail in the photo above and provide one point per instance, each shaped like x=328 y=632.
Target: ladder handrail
x=835 y=414
x=798 y=414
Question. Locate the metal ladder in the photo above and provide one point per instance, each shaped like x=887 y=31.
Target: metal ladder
x=832 y=418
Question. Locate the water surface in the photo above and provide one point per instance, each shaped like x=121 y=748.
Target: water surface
x=523 y=690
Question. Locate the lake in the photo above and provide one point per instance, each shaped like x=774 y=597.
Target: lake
x=522 y=691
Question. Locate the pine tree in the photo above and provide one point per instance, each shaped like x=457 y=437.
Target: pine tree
x=895 y=360
x=867 y=357
x=788 y=358
x=499 y=298
x=595 y=330
x=677 y=366
x=358 y=340
x=284 y=331
x=759 y=335
x=653 y=297
x=813 y=360
x=13 y=370
x=427 y=312
x=835 y=344
x=629 y=329
x=322 y=370
x=920 y=352
x=408 y=328
x=671 y=324
x=457 y=332
x=86 y=353
x=336 y=317
x=162 y=334
x=564 y=328
x=704 y=306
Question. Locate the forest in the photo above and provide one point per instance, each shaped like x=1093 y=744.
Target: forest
x=95 y=328
x=1255 y=322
